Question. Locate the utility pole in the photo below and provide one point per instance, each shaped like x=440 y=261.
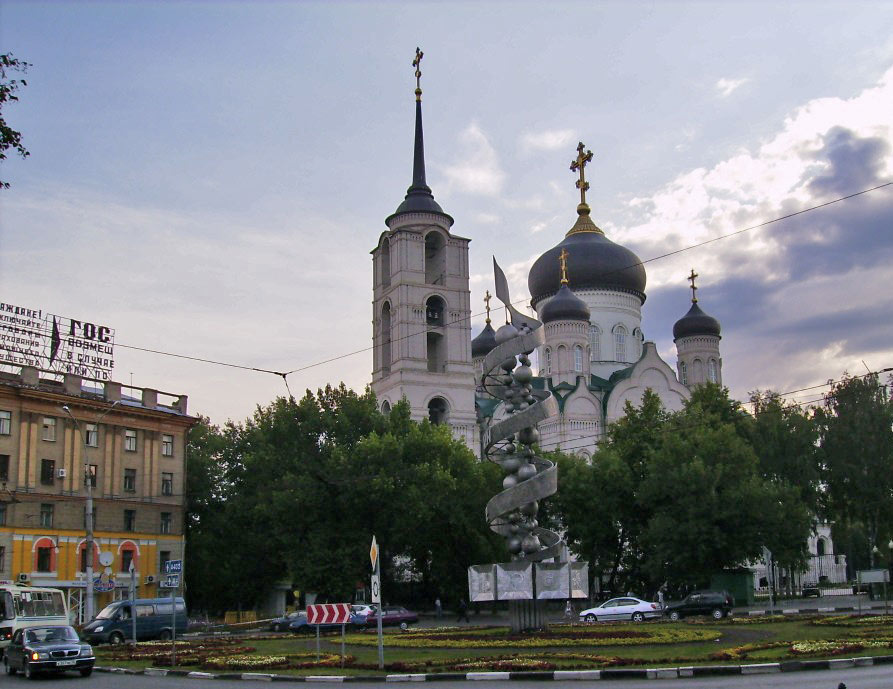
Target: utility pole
x=88 y=514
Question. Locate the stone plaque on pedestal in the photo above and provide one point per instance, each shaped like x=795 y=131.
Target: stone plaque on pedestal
x=579 y=580
x=481 y=583
x=514 y=581
x=552 y=580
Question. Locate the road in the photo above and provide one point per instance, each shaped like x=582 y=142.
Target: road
x=880 y=677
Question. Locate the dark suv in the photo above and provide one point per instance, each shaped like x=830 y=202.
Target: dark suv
x=717 y=604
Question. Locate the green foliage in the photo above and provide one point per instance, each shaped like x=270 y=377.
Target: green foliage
x=9 y=137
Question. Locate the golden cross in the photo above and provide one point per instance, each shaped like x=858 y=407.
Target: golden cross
x=562 y=259
x=487 y=298
x=417 y=63
x=579 y=163
x=694 y=289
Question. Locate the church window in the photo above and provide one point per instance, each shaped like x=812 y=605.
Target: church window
x=563 y=363
x=711 y=370
x=638 y=338
x=386 y=407
x=683 y=373
x=435 y=258
x=820 y=547
x=619 y=343
x=386 y=262
x=436 y=352
x=697 y=372
x=434 y=310
x=547 y=362
x=386 y=338
x=578 y=359
x=438 y=411
x=595 y=339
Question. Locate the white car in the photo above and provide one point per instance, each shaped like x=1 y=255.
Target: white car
x=625 y=608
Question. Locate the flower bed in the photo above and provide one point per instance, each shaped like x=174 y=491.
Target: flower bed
x=855 y=621
x=291 y=661
x=188 y=652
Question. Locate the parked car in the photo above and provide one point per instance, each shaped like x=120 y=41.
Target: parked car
x=299 y=624
x=717 y=604
x=281 y=624
x=363 y=610
x=48 y=649
x=392 y=616
x=114 y=623
x=625 y=608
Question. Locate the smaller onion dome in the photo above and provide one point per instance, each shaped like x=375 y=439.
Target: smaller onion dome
x=565 y=306
x=484 y=343
x=696 y=322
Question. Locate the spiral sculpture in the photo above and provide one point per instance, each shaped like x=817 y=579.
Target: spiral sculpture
x=507 y=376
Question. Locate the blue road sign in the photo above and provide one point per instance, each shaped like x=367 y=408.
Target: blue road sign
x=173 y=567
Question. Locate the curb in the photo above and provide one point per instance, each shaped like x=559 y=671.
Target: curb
x=803 y=611
x=560 y=675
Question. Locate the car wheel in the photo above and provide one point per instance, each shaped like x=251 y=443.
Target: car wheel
x=404 y=626
x=716 y=614
x=86 y=672
x=675 y=616
x=638 y=617
x=591 y=618
x=116 y=638
x=10 y=670
x=165 y=635
x=27 y=671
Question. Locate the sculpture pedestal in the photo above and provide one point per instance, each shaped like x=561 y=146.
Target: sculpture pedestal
x=526 y=616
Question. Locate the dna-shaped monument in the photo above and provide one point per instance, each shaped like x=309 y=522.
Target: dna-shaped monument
x=510 y=442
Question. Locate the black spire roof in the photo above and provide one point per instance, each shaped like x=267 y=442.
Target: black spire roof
x=565 y=306
x=696 y=322
x=484 y=343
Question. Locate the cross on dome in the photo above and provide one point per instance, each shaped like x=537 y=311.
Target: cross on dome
x=417 y=63
x=487 y=298
x=562 y=259
x=579 y=163
x=691 y=278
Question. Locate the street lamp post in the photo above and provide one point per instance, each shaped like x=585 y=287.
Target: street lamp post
x=88 y=515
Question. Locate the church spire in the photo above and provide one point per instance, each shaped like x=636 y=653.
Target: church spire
x=584 y=222
x=419 y=198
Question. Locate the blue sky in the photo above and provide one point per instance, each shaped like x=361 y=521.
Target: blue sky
x=208 y=178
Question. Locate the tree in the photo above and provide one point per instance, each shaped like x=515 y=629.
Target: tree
x=9 y=137
x=856 y=440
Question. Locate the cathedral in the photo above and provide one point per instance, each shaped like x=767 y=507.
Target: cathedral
x=587 y=290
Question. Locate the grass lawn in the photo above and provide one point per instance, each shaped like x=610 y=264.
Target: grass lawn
x=576 y=646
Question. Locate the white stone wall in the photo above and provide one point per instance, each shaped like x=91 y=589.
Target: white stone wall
x=694 y=355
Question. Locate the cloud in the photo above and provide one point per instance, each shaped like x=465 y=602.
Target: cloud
x=727 y=86
x=548 y=140
x=478 y=170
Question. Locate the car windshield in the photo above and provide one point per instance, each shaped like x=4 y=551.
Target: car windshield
x=107 y=613
x=39 y=634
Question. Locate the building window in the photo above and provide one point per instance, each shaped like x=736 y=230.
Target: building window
x=547 y=362
x=163 y=557
x=49 y=428
x=683 y=373
x=130 y=520
x=4 y=468
x=83 y=558
x=47 y=471
x=45 y=559
x=92 y=437
x=167 y=445
x=619 y=343
x=167 y=483
x=578 y=359
x=595 y=343
x=711 y=370
x=46 y=515
x=166 y=522
x=91 y=475
x=130 y=480
x=2 y=517
x=5 y=422
x=130 y=440
x=385 y=407
x=126 y=559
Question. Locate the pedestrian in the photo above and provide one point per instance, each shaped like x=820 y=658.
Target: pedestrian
x=463 y=611
x=438 y=608
x=661 y=598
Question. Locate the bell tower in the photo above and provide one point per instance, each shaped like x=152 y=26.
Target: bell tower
x=421 y=311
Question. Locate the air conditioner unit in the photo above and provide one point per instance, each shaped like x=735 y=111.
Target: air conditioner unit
x=62 y=473
x=150 y=579
x=23 y=577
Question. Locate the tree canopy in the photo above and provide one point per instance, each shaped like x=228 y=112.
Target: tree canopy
x=9 y=137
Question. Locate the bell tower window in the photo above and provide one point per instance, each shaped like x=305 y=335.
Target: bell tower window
x=436 y=354
x=547 y=362
x=683 y=373
x=434 y=309
x=578 y=359
x=386 y=338
x=386 y=263
x=438 y=411
x=619 y=343
x=435 y=258
x=711 y=370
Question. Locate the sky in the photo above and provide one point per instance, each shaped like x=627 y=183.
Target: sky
x=208 y=178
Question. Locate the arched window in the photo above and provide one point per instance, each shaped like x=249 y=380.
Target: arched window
x=697 y=372
x=434 y=310
x=638 y=339
x=595 y=343
x=436 y=345
x=438 y=410
x=385 y=262
x=820 y=547
x=435 y=258
x=386 y=338
x=385 y=407
x=619 y=343
x=44 y=552
x=128 y=554
x=547 y=362
x=82 y=556
x=578 y=359
x=683 y=373
x=711 y=370
x=562 y=362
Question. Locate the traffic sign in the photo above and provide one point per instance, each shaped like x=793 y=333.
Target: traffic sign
x=328 y=613
x=173 y=567
x=171 y=581
x=376 y=589
x=373 y=552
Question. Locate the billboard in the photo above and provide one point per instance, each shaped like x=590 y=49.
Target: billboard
x=34 y=337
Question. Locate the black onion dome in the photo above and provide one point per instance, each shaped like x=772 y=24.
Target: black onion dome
x=594 y=262
x=695 y=322
x=565 y=306
x=484 y=343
